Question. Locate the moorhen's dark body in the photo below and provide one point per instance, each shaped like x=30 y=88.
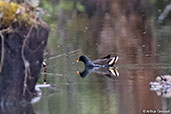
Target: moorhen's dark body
x=107 y=61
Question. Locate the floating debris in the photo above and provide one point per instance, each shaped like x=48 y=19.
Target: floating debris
x=38 y=92
x=162 y=85
x=165 y=13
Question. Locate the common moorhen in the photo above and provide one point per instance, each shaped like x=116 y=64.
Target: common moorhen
x=104 y=66
x=107 y=61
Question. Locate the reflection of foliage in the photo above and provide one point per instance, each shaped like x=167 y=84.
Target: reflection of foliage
x=54 y=8
x=60 y=16
x=168 y=103
x=70 y=5
x=164 y=40
x=80 y=7
x=66 y=5
x=61 y=13
x=50 y=9
x=160 y=2
x=163 y=32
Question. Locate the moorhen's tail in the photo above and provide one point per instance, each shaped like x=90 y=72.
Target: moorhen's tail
x=112 y=61
x=114 y=71
x=107 y=57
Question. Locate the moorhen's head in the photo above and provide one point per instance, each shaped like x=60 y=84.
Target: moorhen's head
x=84 y=59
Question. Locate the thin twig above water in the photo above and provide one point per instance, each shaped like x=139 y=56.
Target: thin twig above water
x=64 y=54
x=53 y=74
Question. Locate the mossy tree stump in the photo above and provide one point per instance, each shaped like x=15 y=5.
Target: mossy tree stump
x=23 y=39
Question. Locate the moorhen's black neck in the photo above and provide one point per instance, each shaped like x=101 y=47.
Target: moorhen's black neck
x=86 y=60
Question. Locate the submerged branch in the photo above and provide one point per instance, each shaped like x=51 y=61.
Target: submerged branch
x=2 y=51
x=2 y=47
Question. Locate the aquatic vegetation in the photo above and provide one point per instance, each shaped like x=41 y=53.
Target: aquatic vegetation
x=69 y=5
x=11 y=12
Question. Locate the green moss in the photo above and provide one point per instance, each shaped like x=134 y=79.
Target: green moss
x=11 y=12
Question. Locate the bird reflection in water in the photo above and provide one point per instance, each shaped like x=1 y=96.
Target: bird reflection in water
x=104 y=66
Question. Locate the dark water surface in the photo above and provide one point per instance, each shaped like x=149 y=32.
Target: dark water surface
x=129 y=29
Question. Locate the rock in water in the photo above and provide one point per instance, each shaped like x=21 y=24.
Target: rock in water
x=21 y=53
